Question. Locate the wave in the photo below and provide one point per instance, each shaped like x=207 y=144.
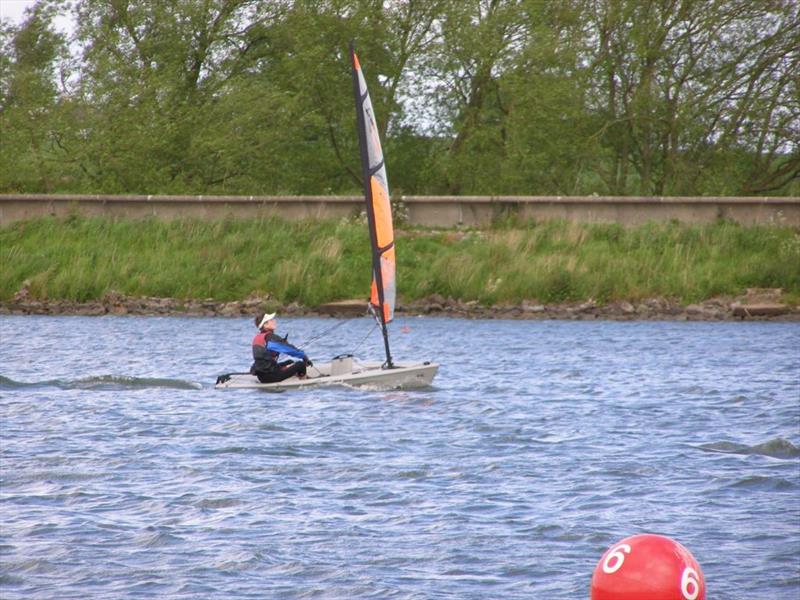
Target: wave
x=760 y=482
x=777 y=448
x=100 y=382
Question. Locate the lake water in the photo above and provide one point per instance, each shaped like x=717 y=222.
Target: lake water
x=124 y=474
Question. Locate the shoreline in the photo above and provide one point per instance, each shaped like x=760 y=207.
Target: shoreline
x=756 y=305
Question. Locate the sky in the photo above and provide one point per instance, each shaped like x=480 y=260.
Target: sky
x=13 y=9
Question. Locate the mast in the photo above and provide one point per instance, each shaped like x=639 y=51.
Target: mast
x=368 y=174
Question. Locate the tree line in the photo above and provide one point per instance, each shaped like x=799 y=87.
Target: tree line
x=532 y=97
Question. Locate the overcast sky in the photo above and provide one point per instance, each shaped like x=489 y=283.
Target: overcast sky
x=13 y=9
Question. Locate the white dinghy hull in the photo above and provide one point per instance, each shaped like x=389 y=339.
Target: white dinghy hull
x=342 y=372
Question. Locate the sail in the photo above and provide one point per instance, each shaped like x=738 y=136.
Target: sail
x=376 y=191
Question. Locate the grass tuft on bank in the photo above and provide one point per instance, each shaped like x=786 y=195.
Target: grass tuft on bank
x=312 y=262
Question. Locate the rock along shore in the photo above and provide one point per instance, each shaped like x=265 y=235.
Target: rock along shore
x=757 y=304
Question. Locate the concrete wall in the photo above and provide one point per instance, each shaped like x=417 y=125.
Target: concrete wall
x=431 y=211
x=478 y=210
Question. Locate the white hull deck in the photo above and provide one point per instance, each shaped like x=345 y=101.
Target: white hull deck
x=347 y=373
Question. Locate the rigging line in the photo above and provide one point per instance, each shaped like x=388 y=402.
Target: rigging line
x=326 y=332
x=353 y=351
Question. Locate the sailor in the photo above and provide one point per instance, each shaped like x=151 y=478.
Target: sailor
x=267 y=346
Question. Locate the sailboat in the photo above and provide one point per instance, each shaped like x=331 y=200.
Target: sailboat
x=344 y=369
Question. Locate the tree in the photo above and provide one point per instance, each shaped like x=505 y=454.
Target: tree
x=681 y=83
x=548 y=131
x=151 y=71
x=479 y=41
x=29 y=100
x=648 y=97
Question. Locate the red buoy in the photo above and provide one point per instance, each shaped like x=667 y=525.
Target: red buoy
x=648 y=567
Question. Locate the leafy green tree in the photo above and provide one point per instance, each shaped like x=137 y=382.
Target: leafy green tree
x=151 y=71
x=684 y=85
x=480 y=39
x=549 y=139
x=473 y=96
x=29 y=101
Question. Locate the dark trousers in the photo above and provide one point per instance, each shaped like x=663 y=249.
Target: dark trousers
x=286 y=369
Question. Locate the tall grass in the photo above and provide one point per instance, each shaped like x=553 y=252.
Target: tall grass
x=314 y=262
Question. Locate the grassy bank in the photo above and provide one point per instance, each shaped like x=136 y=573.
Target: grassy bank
x=314 y=262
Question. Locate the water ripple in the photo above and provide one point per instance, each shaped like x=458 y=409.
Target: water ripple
x=104 y=382
x=502 y=482
x=777 y=448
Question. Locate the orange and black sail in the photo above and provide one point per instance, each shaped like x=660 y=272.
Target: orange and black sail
x=379 y=211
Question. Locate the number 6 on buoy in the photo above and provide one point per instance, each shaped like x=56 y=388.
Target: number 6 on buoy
x=690 y=586
x=618 y=558
x=647 y=567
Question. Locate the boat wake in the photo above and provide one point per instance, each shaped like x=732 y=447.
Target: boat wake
x=777 y=448
x=103 y=382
